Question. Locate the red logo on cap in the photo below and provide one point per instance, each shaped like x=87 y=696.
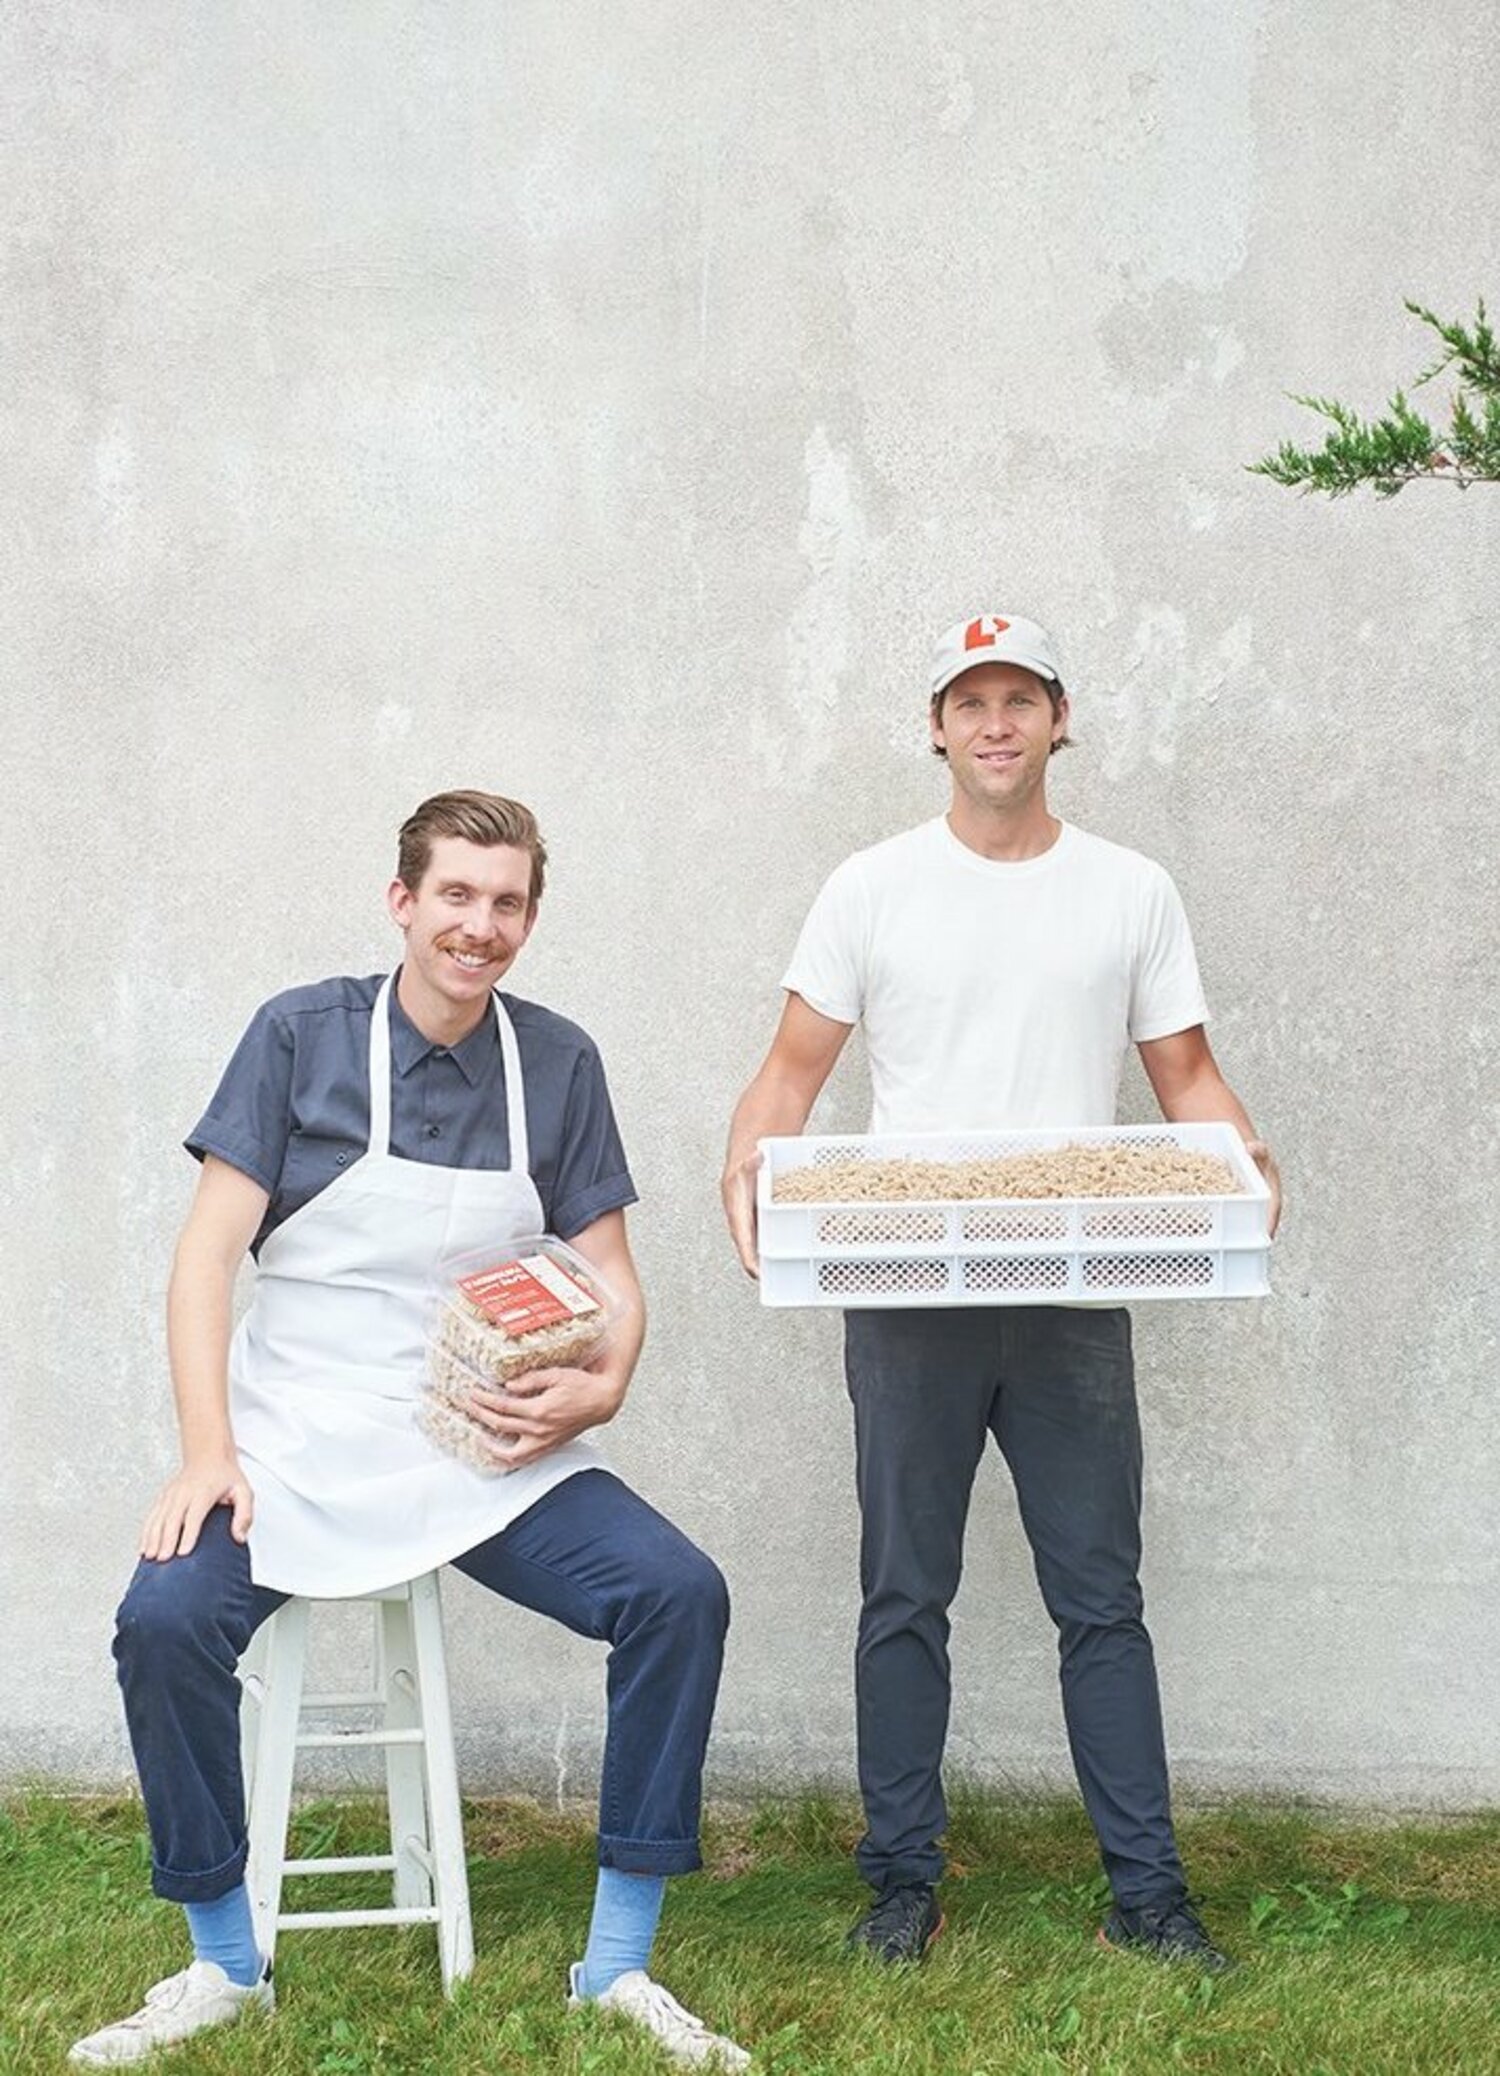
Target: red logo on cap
x=981 y=633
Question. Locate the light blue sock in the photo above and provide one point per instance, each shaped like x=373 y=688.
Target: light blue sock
x=623 y=1927
x=224 y=1931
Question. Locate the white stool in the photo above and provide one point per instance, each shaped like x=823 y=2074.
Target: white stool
x=430 y=1883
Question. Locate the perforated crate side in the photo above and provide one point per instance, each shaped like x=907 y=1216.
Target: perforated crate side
x=903 y=1279
x=1122 y=1274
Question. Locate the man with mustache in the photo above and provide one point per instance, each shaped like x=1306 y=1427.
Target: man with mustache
x=1000 y=961
x=364 y=1130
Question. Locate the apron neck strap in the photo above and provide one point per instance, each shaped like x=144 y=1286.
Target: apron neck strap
x=380 y=1079
x=380 y=1069
x=515 y=1089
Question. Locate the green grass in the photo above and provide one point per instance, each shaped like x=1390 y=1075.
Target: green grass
x=1365 y=1949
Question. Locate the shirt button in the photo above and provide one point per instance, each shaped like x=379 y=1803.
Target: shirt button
x=434 y=1131
x=341 y=1160
x=440 y=1052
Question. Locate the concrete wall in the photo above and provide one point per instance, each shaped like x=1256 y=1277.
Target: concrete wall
x=605 y=405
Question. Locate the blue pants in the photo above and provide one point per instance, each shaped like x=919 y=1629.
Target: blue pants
x=589 y=1553
x=1056 y=1388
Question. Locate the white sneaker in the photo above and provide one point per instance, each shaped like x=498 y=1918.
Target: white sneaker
x=686 y=2039
x=200 y=1996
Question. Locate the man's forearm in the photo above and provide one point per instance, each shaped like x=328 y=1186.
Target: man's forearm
x=606 y=1245
x=772 y=1107
x=198 y=1307
x=199 y=1299
x=1208 y=1099
x=777 y=1104
x=622 y=1351
x=1205 y=1097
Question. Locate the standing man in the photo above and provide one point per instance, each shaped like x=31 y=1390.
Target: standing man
x=1000 y=960
x=363 y=1130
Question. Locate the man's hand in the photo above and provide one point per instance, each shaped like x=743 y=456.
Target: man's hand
x=544 y=1409
x=185 y=1502
x=737 y=1188
x=774 y=1106
x=1265 y=1160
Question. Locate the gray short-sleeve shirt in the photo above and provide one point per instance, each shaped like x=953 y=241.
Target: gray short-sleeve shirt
x=293 y=1108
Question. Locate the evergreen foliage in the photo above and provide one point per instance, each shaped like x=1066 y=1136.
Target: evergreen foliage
x=1402 y=447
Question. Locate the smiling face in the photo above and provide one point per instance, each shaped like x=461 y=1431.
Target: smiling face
x=464 y=924
x=997 y=724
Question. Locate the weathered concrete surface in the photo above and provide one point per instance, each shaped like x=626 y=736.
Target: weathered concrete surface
x=605 y=407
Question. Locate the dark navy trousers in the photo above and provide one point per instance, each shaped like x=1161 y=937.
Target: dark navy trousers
x=590 y=1553
x=1055 y=1386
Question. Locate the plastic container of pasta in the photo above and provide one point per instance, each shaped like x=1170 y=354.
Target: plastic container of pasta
x=872 y=1249
x=497 y=1313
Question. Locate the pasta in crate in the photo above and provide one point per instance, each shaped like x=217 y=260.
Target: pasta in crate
x=1088 y=1215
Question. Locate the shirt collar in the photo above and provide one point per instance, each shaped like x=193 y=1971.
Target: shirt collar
x=409 y=1048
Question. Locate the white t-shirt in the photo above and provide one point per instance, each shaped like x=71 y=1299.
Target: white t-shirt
x=993 y=994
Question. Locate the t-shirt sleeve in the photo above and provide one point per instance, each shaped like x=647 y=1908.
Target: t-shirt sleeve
x=829 y=962
x=592 y=1177
x=1166 y=994
x=249 y=1121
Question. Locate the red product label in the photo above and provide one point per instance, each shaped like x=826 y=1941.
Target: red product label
x=520 y=1296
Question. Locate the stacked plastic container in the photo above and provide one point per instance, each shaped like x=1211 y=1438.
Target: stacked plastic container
x=495 y=1315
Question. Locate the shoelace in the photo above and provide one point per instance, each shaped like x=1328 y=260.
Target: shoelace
x=665 y=2005
x=1176 y=1917
x=162 y=1994
x=893 y=1907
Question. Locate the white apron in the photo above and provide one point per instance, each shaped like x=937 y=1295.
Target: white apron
x=326 y=1366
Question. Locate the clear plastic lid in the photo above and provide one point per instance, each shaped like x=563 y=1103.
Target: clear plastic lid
x=497 y=1312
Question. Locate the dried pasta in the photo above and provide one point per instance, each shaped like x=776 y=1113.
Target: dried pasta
x=1110 y=1170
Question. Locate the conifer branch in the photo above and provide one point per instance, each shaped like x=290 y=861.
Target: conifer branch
x=1401 y=447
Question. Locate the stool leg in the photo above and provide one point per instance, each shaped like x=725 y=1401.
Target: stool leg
x=406 y=1805
x=450 y=1871
x=252 y=1676
x=275 y=1763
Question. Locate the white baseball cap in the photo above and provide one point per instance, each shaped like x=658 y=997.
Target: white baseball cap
x=993 y=638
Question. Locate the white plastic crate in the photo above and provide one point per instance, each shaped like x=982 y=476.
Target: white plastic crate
x=1013 y=1250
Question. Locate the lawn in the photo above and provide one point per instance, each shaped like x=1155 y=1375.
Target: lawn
x=1365 y=1949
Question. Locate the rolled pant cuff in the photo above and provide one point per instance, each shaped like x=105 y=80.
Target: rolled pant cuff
x=650 y=1855
x=200 y=1888
x=899 y=1866
x=900 y=1876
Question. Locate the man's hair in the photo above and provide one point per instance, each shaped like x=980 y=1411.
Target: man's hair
x=1056 y=692
x=486 y=818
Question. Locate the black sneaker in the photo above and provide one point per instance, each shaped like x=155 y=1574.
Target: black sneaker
x=1167 y=1931
x=901 y=1924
